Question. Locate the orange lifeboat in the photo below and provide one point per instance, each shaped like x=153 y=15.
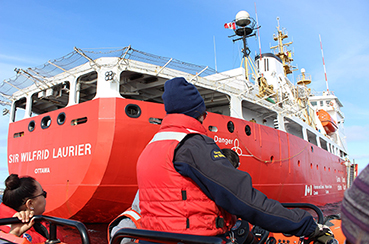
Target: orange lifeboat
x=328 y=123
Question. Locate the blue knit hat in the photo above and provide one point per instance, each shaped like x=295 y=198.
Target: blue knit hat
x=355 y=209
x=183 y=98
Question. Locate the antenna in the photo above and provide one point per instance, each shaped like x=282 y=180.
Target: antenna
x=215 y=55
x=325 y=72
x=245 y=29
x=257 y=24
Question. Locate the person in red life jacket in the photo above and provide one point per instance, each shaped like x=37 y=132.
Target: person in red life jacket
x=130 y=218
x=23 y=198
x=187 y=186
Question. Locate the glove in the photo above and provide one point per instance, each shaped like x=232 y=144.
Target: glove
x=321 y=235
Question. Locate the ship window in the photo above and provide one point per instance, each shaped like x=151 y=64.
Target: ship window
x=321 y=103
x=138 y=86
x=61 y=118
x=323 y=144
x=50 y=99
x=31 y=126
x=45 y=122
x=230 y=126
x=248 y=130
x=86 y=87
x=155 y=121
x=19 y=109
x=19 y=134
x=266 y=64
x=79 y=121
x=314 y=103
x=213 y=128
x=133 y=111
x=312 y=137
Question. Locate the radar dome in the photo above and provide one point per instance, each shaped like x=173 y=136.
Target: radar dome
x=242 y=18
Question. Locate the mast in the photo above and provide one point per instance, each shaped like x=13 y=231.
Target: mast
x=282 y=53
x=325 y=72
x=244 y=27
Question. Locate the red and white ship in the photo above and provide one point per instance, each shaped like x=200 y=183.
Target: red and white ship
x=79 y=123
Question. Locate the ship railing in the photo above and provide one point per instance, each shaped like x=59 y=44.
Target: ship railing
x=322 y=93
x=41 y=75
x=54 y=222
x=36 y=79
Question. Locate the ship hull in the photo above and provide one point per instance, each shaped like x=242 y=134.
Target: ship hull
x=88 y=168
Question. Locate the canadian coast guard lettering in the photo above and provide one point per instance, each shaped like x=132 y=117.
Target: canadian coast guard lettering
x=43 y=154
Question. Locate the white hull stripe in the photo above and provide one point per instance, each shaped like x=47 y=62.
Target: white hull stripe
x=133 y=214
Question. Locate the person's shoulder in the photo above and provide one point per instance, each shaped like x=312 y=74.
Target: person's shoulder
x=198 y=138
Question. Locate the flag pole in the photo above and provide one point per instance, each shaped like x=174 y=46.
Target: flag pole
x=215 y=55
x=325 y=72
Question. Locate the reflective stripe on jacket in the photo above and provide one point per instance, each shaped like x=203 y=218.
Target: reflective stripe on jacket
x=130 y=213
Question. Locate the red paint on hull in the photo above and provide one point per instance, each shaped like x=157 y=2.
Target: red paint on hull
x=90 y=170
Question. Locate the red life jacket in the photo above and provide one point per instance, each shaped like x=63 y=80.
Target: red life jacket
x=31 y=234
x=13 y=238
x=169 y=201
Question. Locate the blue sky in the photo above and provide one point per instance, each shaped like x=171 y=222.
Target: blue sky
x=33 y=32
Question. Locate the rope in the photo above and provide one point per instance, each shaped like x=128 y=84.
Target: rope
x=272 y=161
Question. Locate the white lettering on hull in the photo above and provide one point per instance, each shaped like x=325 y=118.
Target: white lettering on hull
x=72 y=151
x=226 y=141
x=42 y=170
x=44 y=154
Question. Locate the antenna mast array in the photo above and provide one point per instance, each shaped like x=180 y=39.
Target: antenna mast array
x=244 y=27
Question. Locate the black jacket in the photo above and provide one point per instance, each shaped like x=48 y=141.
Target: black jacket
x=199 y=158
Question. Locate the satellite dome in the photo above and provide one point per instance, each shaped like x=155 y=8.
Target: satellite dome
x=243 y=18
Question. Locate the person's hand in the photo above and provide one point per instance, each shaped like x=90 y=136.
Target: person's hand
x=27 y=222
x=322 y=234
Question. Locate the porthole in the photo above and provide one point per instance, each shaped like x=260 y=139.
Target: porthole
x=31 y=126
x=230 y=126
x=248 y=130
x=213 y=128
x=312 y=149
x=133 y=111
x=61 y=118
x=45 y=122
